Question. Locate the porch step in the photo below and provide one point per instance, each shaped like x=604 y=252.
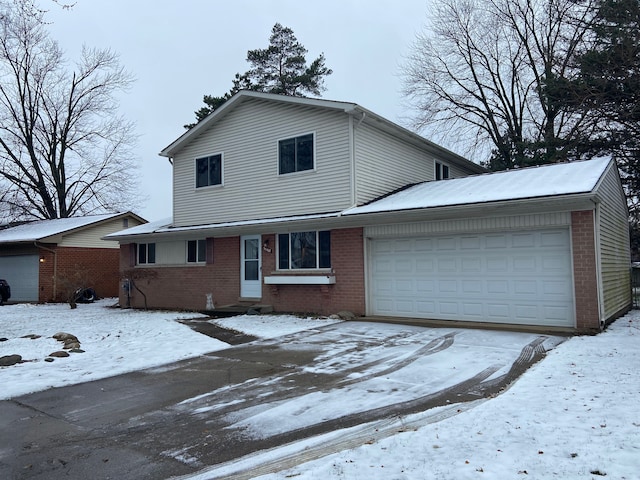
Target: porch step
x=242 y=308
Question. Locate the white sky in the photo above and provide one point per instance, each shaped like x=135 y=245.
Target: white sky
x=182 y=50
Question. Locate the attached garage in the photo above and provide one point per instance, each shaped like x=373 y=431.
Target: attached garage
x=546 y=246
x=522 y=277
x=21 y=272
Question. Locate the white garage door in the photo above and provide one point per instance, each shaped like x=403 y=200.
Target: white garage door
x=515 y=277
x=21 y=272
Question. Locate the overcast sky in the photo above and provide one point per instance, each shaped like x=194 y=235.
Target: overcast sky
x=182 y=49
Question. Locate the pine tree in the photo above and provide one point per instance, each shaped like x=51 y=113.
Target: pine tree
x=280 y=68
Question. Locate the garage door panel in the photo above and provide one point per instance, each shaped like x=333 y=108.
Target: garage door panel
x=21 y=272
x=510 y=277
x=523 y=240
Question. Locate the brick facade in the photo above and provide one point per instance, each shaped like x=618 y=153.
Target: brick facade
x=186 y=287
x=73 y=267
x=585 y=273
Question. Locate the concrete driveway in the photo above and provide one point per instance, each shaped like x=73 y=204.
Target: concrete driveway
x=325 y=389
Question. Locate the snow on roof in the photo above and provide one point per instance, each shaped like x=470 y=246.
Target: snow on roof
x=145 y=228
x=544 y=181
x=165 y=225
x=34 y=231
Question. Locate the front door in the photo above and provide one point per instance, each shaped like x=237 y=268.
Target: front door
x=250 y=267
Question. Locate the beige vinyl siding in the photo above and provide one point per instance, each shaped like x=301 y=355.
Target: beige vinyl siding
x=248 y=139
x=466 y=225
x=385 y=163
x=91 y=237
x=457 y=172
x=614 y=245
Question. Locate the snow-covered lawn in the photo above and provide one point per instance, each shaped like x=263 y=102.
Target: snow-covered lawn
x=575 y=415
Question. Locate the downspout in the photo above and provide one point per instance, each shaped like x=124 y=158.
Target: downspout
x=598 y=248
x=55 y=267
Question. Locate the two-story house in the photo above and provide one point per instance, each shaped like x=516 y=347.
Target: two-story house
x=310 y=205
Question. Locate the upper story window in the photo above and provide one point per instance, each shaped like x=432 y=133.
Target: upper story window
x=304 y=250
x=296 y=154
x=196 y=251
x=146 y=253
x=442 y=171
x=209 y=171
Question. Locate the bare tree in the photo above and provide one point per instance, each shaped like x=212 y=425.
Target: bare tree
x=492 y=73
x=64 y=150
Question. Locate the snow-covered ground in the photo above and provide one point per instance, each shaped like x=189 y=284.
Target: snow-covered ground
x=575 y=415
x=115 y=341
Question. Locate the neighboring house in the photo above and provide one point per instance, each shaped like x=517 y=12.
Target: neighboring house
x=43 y=260
x=307 y=205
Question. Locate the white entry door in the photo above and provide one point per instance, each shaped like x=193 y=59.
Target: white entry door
x=250 y=267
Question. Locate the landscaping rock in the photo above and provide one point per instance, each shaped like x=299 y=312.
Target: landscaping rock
x=32 y=336
x=76 y=350
x=4 y=339
x=9 y=360
x=59 y=354
x=48 y=359
x=345 y=315
x=63 y=337
x=69 y=345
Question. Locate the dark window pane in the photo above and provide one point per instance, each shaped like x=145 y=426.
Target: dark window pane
x=324 y=239
x=251 y=249
x=251 y=270
x=445 y=172
x=304 y=153
x=202 y=172
x=142 y=253
x=191 y=251
x=202 y=250
x=215 y=170
x=283 y=251
x=287 y=155
x=151 y=254
x=303 y=250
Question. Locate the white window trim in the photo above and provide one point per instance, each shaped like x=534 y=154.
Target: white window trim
x=301 y=172
x=435 y=170
x=195 y=172
x=186 y=253
x=146 y=244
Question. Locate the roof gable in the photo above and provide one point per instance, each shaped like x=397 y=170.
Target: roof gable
x=361 y=114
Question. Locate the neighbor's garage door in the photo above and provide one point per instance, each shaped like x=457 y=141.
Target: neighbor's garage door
x=512 y=277
x=21 y=272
